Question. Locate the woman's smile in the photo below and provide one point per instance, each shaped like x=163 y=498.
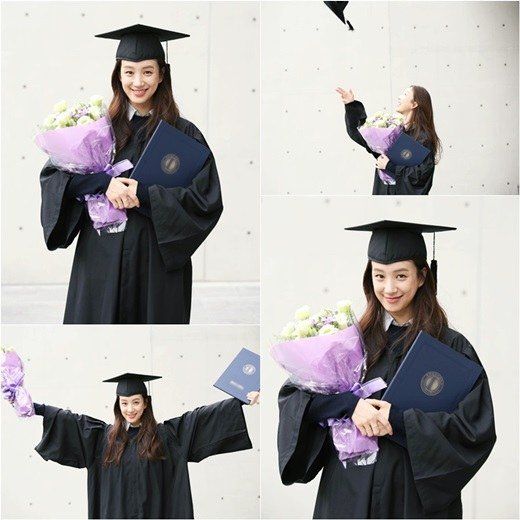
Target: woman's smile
x=139 y=92
x=392 y=299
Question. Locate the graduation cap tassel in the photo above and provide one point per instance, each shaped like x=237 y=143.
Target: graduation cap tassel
x=350 y=28
x=433 y=265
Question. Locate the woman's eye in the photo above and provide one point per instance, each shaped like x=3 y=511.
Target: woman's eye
x=401 y=277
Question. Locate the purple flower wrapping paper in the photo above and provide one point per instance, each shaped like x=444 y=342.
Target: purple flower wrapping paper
x=85 y=149
x=12 y=384
x=330 y=364
x=380 y=140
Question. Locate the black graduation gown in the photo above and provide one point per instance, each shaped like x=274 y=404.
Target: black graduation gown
x=424 y=480
x=144 y=274
x=410 y=180
x=138 y=488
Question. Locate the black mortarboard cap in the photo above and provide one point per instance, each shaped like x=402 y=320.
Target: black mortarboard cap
x=131 y=384
x=393 y=241
x=337 y=8
x=141 y=42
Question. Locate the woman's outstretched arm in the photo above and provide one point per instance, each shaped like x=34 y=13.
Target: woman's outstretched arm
x=69 y=439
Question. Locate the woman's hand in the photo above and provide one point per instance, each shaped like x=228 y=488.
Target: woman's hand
x=382 y=406
x=254 y=398
x=382 y=161
x=122 y=194
x=347 y=96
x=370 y=420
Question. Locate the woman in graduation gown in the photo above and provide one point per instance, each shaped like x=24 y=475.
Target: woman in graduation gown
x=416 y=106
x=143 y=274
x=443 y=450
x=136 y=467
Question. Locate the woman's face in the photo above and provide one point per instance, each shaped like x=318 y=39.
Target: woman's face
x=405 y=102
x=140 y=81
x=395 y=286
x=132 y=408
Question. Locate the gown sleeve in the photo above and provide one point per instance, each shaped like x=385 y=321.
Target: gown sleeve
x=301 y=443
x=458 y=442
x=60 y=216
x=335 y=406
x=70 y=439
x=210 y=430
x=184 y=217
x=355 y=116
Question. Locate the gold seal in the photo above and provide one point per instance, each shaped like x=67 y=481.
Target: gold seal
x=432 y=383
x=406 y=154
x=170 y=163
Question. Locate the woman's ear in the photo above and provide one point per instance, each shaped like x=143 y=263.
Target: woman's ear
x=422 y=276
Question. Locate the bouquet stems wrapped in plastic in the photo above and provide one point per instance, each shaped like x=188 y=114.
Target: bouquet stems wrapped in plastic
x=324 y=354
x=13 y=389
x=81 y=140
x=380 y=132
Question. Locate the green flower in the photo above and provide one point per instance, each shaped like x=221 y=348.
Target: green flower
x=327 y=329
x=304 y=329
x=303 y=313
x=61 y=106
x=96 y=101
x=85 y=120
x=95 y=112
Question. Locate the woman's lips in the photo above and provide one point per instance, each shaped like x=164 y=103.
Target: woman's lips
x=139 y=93
x=392 y=299
x=131 y=416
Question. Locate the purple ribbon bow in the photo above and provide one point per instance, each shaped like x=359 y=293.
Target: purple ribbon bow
x=349 y=442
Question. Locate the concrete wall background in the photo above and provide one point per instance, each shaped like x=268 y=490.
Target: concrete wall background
x=65 y=367
x=464 y=53
x=307 y=258
x=49 y=53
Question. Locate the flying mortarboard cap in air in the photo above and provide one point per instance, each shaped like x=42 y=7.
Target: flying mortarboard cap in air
x=393 y=241
x=131 y=384
x=142 y=42
x=337 y=8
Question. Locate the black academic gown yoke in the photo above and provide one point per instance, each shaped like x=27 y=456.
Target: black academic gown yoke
x=424 y=480
x=138 y=488
x=410 y=180
x=144 y=274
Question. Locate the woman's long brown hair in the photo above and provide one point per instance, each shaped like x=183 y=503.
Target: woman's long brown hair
x=428 y=315
x=422 y=123
x=149 y=444
x=163 y=105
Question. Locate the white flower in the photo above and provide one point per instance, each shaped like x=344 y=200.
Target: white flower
x=85 y=120
x=288 y=330
x=305 y=329
x=50 y=122
x=343 y=320
x=303 y=313
x=95 y=112
x=96 y=101
x=327 y=329
x=63 y=120
x=344 y=306
x=61 y=106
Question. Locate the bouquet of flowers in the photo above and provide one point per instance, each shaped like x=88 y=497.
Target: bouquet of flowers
x=380 y=131
x=80 y=139
x=324 y=353
x=12 y=384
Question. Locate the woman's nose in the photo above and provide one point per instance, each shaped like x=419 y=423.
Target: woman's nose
x=390 y=288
